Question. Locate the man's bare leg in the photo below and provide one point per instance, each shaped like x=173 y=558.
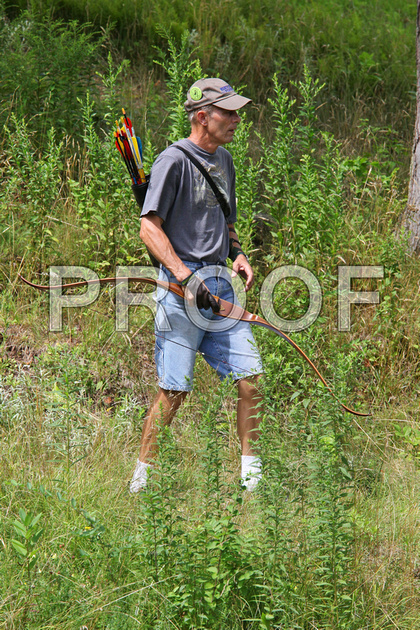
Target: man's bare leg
x=161 y=413
x=249 y=408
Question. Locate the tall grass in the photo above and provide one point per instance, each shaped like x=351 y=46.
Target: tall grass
x=329 y=539
x=365 y=54
x=46 y=67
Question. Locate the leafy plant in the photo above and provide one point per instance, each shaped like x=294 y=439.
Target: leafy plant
x=98 y=191
x=303 y=174
x=182 y=70
x=46 y=67
x=36 y=178
x=29 y=535
x=329 y=539
x=247 y=183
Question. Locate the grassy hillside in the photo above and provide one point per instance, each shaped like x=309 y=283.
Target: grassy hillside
x=364 y=52
x=330 y=539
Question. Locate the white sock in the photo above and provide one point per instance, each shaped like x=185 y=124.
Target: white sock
x=250 y=471
x=139 y=480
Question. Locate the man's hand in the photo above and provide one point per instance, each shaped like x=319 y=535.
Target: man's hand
x=242 y=267
x=195 y=289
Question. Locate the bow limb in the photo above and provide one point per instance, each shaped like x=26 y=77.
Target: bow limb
x=175 y=288
x=236 y=312
x=227 y=309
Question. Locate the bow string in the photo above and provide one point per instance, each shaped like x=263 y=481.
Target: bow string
x=227 y=309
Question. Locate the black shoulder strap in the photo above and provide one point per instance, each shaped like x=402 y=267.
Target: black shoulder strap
x=224 y=204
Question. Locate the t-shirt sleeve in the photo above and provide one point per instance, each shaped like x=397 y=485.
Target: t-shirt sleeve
x=163 y=186
x=233 y=210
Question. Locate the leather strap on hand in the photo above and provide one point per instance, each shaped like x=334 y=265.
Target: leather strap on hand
x=235 y=249
x=201 y=293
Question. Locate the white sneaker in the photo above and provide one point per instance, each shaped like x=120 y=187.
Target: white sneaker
x=251 y=472
x=251 y=482
x=139 y=480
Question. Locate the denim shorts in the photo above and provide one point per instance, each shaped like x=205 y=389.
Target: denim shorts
x=181 y=331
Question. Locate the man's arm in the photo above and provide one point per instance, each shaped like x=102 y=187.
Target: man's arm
x=157 y=242
x=241 y=265
x=155 y=239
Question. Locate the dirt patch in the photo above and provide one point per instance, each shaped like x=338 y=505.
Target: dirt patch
x=17 y=343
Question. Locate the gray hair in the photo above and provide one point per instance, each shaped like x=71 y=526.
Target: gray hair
x=192 y=116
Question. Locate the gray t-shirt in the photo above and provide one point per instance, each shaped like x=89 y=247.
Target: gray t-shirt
x=179 y=194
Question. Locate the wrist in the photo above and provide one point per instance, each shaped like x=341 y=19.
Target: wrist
x=235 y=250
x=186 y=280
x=183 y=274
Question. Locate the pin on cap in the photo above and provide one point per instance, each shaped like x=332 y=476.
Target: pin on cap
x=214 y=92
x=196 y=94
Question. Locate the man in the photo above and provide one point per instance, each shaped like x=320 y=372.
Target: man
x=184 y=227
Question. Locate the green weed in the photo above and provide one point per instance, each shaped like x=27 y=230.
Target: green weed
x=29 y=534
x=330 y=538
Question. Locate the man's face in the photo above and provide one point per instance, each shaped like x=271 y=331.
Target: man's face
x=221 y=125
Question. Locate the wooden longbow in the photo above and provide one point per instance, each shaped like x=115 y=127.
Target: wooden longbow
x=227 y=309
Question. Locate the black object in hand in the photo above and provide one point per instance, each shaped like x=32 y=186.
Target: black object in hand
x=203 y=296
